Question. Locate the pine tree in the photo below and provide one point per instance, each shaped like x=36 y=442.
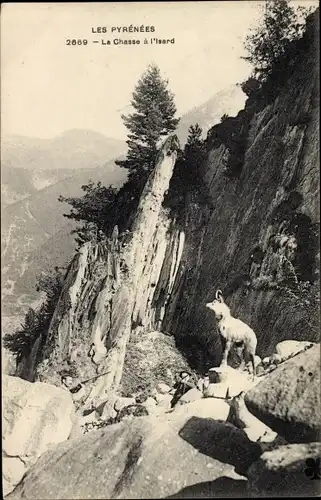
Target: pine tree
x=224 y=117
x=94 y=209
x=36 y=322
x=20 y=342
x=153 y=118
x=187 y=177
x=269 y=41
x=194 y=154
x=101 y=208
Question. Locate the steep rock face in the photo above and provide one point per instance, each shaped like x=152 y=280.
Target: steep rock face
x=105 y=294
x=261 y=240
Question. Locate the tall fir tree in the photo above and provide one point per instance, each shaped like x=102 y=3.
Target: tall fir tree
x=154 y=117
x=101 y=208
x=194 y=153
x=187 y=177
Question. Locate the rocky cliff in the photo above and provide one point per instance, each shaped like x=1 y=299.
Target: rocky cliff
x=105 y=295
x=256 y=239
x=260 y=242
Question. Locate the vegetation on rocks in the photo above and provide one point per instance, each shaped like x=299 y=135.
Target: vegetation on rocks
x=154 y=117
x=273 y=48
x=94 y=210
x=150 y=358
x=268 y=43
x=187 y=182
x=37 y=321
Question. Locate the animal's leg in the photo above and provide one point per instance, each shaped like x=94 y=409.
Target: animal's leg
x=226 y=352
x=240 y=351
x=242 y=365
x=252 y=358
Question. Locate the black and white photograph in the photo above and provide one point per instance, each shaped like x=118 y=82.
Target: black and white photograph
x=160 y=250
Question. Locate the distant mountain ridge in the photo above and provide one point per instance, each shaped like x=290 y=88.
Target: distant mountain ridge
x=73 y=149
x=37 y=222
x=30 y=164
x=228 y=101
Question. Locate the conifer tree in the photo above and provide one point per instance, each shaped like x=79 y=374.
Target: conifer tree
x=153 y=117
x=36 y=322
x=93 y=209
x=194 y=153
x=100 y=208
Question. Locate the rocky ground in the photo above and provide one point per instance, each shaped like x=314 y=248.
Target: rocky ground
x=227 y=435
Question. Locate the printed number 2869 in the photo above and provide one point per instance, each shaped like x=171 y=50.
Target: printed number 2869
x=73 y=41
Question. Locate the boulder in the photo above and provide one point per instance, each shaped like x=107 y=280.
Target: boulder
x=232 y=382
x=36 y=416
x=288 y=399
x=241 y=417
x=276 y=359
x=121 y=403
x=164 y=401
x=204 y=408
x=145 y=457
x=149 y=403
x=286 y=472
x=289 y=348
x=163 y=388
x=13 y=469
x=219 y=390
x=190 y=396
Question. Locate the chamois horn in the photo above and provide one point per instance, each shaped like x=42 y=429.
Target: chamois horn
x=219 y=295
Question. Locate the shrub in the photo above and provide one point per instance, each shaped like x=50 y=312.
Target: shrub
x=150 y=358
x=269 y=42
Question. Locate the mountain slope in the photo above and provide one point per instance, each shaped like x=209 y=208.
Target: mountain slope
x=227 y=101
x=19 y=183
x=74 y=149
x=16 y=184
x=38 y=221
x=254 y=236
x=29 y=164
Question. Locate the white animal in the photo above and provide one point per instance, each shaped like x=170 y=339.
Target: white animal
x=233 y=330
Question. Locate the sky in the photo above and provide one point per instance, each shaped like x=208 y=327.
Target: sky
x=48 y=87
